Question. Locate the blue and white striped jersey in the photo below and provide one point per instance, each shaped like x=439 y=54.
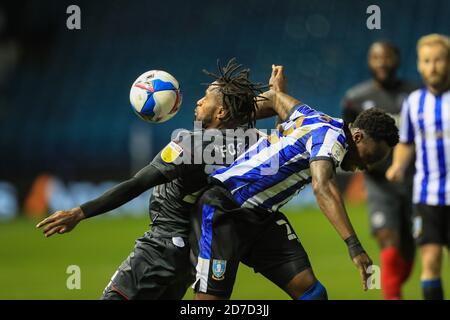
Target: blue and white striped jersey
x=276 y=168
x=425 y=121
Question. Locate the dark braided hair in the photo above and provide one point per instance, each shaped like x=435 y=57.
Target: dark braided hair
x=378 y=125
x=239 y=94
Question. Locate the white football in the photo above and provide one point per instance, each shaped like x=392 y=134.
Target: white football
x=155 y=96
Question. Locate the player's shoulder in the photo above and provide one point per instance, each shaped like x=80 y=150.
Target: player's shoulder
x=325 y=124
x=182 y=142
x=304 y=111
x=360 y=90
x=181 y=134
x=311 y=117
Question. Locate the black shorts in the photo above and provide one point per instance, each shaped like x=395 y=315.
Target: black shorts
x=158 y=268
x=431 y=224
x=390 y=206
x=227 y=234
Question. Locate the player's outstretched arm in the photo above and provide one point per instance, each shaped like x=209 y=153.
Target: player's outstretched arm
x=65 y=221
x=330 y=202
x=276 y=101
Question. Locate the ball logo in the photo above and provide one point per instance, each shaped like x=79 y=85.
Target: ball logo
x=148 y=86
x=218 y=269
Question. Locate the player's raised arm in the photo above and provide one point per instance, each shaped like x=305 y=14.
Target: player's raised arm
x=64 y=221
x=276 y=101
x=330 y=202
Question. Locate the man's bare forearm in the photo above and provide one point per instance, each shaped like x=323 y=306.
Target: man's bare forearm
x=265 y=106
x=275 y=103
x=331 y=203
x=329 y=197
x=403 y=154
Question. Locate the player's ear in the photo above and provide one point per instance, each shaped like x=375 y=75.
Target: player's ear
x=221 y=112
x=358 y=135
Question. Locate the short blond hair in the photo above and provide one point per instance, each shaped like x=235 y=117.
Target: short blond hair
x=434 y=38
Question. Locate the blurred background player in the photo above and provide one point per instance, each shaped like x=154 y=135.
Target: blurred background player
x=390 y=204
x=425 y=128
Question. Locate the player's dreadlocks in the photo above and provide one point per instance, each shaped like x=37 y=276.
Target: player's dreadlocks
x=239 y=94
x=378 y=125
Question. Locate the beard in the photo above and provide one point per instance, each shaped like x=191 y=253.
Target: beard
x=387 y=79
x=436 y=80
x=206 y=121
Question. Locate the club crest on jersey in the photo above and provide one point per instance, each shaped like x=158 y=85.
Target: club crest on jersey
x=218 y=269
x=171 y=152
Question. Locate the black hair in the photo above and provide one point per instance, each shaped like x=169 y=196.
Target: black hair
x=378 y=125
x=387 y=44
x=239 y=94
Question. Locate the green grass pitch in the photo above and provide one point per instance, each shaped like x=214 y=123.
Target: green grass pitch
x=33 y=267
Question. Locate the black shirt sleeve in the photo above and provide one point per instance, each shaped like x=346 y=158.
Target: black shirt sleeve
x=145 y=179
x=181 y=157
x=170 y=168
x=173 y=161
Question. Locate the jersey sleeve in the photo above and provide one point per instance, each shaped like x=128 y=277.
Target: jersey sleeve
x=327 y=144
x=146 y=178
x=295 y=117
x=297 y=112
x=167 y=160
x=406 y=126
x=177 y=157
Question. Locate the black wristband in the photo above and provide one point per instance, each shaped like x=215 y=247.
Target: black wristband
x=354 y=246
